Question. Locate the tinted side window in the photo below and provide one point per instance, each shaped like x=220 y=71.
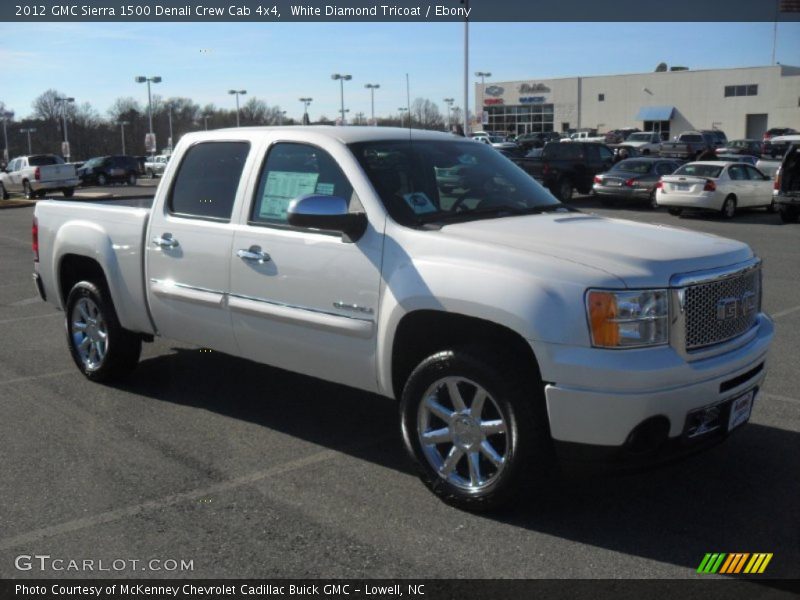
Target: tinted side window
x=736 y=172
x=605 y=153
x=291 y=171
x=754 y=173
x=207 y=179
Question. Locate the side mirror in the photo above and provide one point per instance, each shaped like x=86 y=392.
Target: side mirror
x=329 y=213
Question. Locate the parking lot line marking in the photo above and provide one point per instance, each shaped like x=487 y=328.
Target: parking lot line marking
x=35 y=377
x=59 y=314
x=784 y=398
x=785 y=312
x=129 y=511
x=26 y=301
x=18 y=241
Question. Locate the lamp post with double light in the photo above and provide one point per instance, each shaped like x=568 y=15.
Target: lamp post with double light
x=237 y=93
x=148 y=81
x=372 y=87
x=341 y=79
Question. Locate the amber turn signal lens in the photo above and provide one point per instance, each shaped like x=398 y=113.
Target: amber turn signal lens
x=602 y=312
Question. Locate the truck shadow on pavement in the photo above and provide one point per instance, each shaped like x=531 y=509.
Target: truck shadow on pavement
x=741 y=496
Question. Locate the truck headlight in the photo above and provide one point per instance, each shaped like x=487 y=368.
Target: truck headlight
x=628 y=319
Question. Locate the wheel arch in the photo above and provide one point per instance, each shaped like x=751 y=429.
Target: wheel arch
x=421 y=333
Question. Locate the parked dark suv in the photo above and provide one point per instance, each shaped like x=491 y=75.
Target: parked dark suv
x=109 y=169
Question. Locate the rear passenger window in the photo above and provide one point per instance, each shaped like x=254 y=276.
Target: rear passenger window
x=292 y=171
x=207 y=179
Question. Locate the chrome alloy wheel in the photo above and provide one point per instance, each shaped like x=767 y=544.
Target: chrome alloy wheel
x=466 y=444
x=89 y=333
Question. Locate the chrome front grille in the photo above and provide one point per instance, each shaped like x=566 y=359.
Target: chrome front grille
x=722 y=309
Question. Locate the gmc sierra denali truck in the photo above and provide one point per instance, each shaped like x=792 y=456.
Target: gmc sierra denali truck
x=431 y=269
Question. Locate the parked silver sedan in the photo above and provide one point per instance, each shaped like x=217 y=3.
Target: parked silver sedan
x=715 y=186
x=633 y=179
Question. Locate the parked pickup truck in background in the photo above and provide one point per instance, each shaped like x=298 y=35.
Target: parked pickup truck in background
x=646 y=142
x=688 y=145
x=509 y=326
x=38 y=174
x=155 y=166
x=563 y=168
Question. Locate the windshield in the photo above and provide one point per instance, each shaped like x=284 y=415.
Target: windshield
x=639 y=137
x=699 y=170
x=633 y=166
x=427 y=181
x=93 y=162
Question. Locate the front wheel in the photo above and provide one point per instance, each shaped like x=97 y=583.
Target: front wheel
x=675 y=212
x=564 y=190
x=102 y=179
x=102 y=349
x=3 y=192
x=476 y=427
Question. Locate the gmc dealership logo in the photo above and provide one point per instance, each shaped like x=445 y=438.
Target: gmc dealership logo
x=494 y=90
x=732 y=308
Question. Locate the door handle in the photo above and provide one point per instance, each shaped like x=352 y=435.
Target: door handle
x=254 y=254
x=166 y=241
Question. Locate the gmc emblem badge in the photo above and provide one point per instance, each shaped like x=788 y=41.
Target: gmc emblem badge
x=731 y=308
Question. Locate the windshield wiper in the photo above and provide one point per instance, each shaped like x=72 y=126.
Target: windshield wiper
x=493 y=212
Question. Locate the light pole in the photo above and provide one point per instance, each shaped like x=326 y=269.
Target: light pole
x=341 y=79
x=29 y=131
x=403 y=110
x=372 y=87
x=7 y=115
x=280 y=117
x=122 y=133
x=449 y=102
x=169 y=113
x=306 y=102
x=149 y=80
x=237 y=93
x=64 y=102
x=483 y=75
x=205 y=121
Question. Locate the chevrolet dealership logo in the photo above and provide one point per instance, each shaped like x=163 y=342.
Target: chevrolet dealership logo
x=733 y=564
x=731 y=308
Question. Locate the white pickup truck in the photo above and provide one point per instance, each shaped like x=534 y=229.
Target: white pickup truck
x=428 y=268
x=38 y=174
x=156 y=165
x=646 y=142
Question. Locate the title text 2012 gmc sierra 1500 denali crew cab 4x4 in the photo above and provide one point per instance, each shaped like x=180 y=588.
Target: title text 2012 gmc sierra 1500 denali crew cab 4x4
x=429 y=268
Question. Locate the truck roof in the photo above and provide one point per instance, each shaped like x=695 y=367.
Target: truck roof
x=346 y=135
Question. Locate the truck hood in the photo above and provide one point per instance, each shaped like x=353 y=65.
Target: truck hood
x=641 y=255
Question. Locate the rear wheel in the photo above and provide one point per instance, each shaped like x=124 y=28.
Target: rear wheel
x=675 y=212
x=790 y=214
x=151 y=174
x=564 y=189
x=27 y=191
x=131 y=178
x=102 y=349
x=728 y=210
x=102 y=179
x=476 y=427
x=68 y=192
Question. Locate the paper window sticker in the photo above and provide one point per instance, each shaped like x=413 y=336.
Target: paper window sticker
x=324 y=189
x=281 y=188
x=419 y=203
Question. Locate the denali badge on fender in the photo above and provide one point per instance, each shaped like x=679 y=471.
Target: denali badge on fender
x=731 y=308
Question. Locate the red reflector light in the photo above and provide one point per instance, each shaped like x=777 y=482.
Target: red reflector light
x=630 y=182
x=598 y=179
x=777 y=184
x=660 y=185
x=37 y=174
x=710 y=186
x=35 y=236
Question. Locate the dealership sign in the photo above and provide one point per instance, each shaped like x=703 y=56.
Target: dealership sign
x=531 y=99
x=494 y=90
x=490 y=101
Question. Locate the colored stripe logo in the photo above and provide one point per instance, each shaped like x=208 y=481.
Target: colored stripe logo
x=734 y=563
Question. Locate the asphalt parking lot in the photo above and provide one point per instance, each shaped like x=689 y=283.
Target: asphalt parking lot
x=249 y=471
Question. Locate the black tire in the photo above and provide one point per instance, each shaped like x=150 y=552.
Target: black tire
x=514 y=398
x=151 y=174
x=563 y=189
x=3 y=192
x=728 y=210
x=675 y=211
x=789 y=214
x=121 y=348
x=68 y=192
x=102 y=179
x=652 y=203
x=27 y=191
x=131 y=179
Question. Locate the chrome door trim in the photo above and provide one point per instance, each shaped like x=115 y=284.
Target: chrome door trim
x=187 y=293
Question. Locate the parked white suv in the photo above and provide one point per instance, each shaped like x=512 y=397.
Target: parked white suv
x=428 y=268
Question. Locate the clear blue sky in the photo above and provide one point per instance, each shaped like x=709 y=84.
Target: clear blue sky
x=278 y=63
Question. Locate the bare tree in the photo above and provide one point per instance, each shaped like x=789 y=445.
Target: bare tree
x=426 y=114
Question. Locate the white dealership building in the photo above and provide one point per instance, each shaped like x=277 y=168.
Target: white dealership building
x=743 y=102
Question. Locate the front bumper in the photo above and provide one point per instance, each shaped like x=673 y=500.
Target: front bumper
x=600 y=397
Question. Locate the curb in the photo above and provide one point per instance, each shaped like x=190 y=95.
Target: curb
x=16 y=203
